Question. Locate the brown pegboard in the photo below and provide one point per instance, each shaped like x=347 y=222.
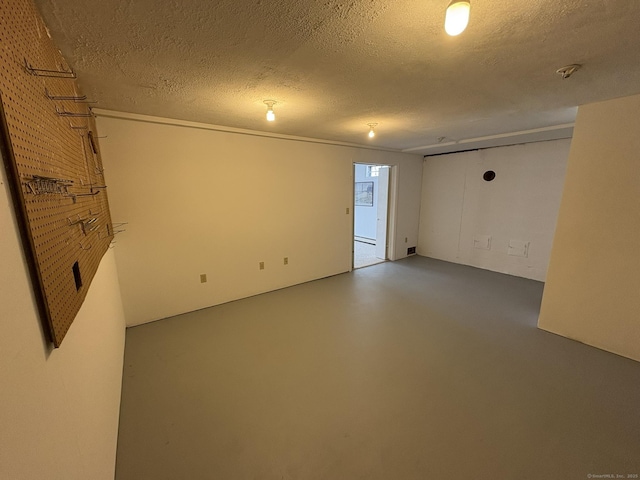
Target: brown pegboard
x=51 y=153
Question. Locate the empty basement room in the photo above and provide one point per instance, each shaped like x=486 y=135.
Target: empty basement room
x=201 y=215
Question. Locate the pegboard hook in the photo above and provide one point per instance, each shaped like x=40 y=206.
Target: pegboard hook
x=41 y=72
x=64 y=113
x=73 y=98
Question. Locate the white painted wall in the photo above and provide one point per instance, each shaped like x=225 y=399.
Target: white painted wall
x=201 y=201
x=459 y=208
x=59 y=408
x=366 y=217
x=592 y=292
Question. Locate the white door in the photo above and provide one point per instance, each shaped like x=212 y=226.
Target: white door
x=383 y=213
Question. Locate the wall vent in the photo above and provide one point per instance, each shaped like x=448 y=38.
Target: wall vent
x=411 y=251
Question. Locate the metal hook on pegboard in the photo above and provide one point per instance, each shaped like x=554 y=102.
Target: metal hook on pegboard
x=86 y=224
x=92 y=142
x=89 y=225
x=42 y=72
x=85 y=194
x=119 y=226
x=65 y=113
x=96 y=169
x=70 y=98
x=39 y=185
x=112 y=232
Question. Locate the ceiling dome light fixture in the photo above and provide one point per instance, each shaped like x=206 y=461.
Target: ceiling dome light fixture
x=457 y=17
x=270 y=115
x=371 y=127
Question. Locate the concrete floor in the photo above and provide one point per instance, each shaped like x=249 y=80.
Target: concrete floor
x=416 y=369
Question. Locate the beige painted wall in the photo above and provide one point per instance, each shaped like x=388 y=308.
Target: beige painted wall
x=592 y=292
x=199 y=201
x=59 y=408
x=520 y=204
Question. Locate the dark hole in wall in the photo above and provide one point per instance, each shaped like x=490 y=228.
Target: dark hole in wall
x=76 y=275
x=489 y=175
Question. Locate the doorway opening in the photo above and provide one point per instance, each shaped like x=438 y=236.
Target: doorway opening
x=371 y=214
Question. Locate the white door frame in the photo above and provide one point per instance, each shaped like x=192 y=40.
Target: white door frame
x=382 y=213
x=392 y=216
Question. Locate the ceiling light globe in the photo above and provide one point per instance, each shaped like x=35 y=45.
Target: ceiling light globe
x=457 y=17
x=270 y=115
x=372 y=133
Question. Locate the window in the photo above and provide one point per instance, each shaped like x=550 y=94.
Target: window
x=373 y=170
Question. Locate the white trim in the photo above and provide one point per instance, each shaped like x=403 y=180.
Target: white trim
x=392 y=220
x=99 y=112
x=492 y=137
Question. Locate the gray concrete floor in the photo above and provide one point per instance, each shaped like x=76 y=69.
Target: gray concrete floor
x=416 y=369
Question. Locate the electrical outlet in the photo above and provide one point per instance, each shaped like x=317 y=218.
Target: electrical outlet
x=286 y=260
x=203 y=278
x=347 y=210
x=261 y=265
x=406 y=239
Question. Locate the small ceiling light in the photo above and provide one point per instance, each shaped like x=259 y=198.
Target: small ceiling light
x=371 y=127
x=457 y=17
x=270 y=115
x=568 y=70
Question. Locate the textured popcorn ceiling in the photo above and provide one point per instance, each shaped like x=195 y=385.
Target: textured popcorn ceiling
x=334 y=66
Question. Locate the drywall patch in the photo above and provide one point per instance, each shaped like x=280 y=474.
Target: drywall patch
x=482 y=242
x=518 y=248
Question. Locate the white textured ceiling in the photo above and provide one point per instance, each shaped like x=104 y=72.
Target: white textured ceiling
x=334 y=66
